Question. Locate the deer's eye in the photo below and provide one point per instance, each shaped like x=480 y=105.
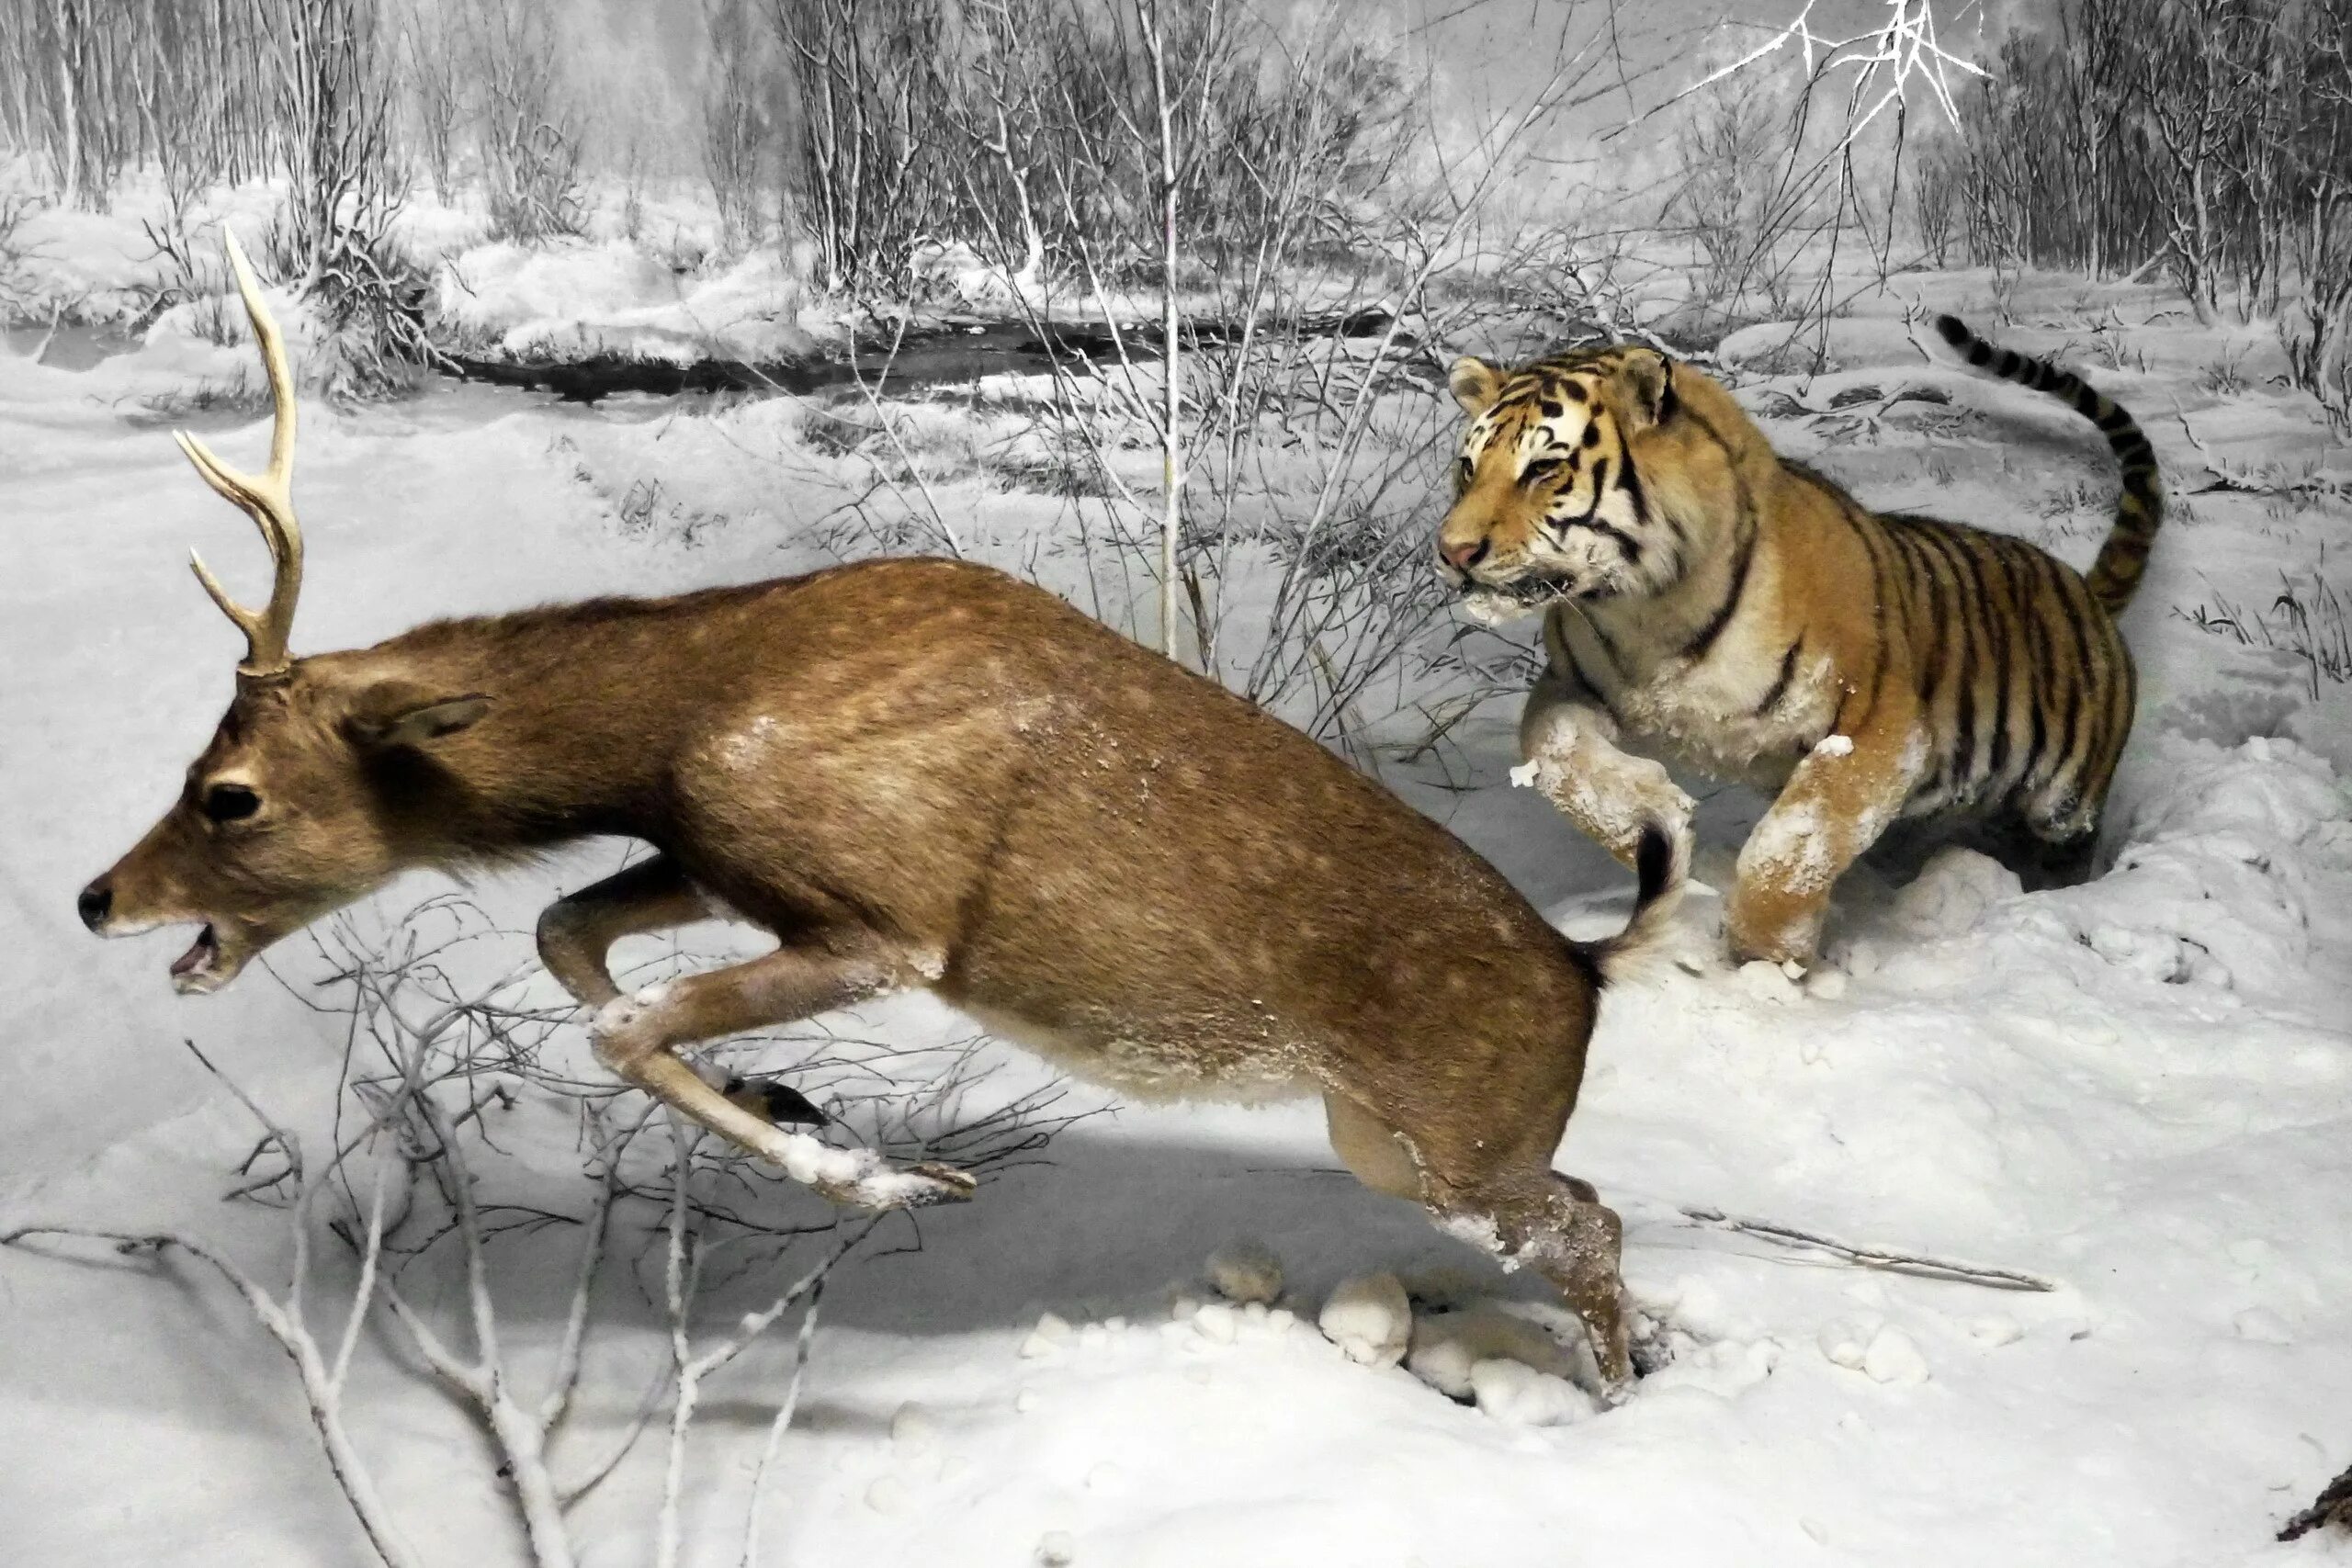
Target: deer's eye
x=230 y=803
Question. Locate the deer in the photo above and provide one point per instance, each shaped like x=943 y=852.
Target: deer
x=914 y=774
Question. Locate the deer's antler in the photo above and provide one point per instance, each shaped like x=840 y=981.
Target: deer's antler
x=267 y=497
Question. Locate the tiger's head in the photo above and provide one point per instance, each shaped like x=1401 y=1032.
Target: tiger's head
x=1555 y=491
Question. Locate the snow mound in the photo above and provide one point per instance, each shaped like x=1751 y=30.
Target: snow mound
x=1245 y=1272
x=1518 y=1394
x=574 y=298
x=2213 y=879
x=1448 y=1348
x=1892 y=1356
x=1953 y=890
x=1218 y=1323
x=914 y=1428
x=1370 y=1319
x=1052 y=1334
x=1883 y=1352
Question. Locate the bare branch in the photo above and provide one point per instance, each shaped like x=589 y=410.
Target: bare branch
x=1888 y=1259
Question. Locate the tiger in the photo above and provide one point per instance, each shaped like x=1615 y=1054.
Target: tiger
x=1711 y=605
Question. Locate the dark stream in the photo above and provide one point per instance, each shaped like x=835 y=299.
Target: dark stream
x=952 y=355
x=69 y=346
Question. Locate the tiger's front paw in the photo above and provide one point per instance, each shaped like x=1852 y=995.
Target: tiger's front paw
x=1776 y=927
x=1612 y=796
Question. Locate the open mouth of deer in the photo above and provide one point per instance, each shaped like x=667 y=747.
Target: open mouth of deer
x=201 y=968
x=194 y=967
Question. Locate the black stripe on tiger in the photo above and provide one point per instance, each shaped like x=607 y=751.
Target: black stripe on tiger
x=1888 y=604
x=2025 y=687
x=2008 y=656
x=2114 y=577
x=1956 y=671
x=2082 y=680
x=1976 y=657
x=1734 y=592
x=1780 y=686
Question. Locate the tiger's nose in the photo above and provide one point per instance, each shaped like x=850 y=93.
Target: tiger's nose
x=1465 y=554
x=95 y=901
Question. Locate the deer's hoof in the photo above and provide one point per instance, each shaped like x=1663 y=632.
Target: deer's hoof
x=952 y=1185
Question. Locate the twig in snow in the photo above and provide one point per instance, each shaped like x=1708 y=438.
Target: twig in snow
x=2241 y=483
x=873 y=394
x=520 y=1435
x=1883 y=1257
x=683 y=1275
x=56 y=314
x=776 y=1427
x=322 y=1384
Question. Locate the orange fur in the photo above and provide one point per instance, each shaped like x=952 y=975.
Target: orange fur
x=1713 y=606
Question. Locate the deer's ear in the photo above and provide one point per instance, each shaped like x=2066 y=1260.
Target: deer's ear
x=407 y=713
x=1475 y=384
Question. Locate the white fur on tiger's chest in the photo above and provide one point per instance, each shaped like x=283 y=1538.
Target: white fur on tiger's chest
x=1718 y=715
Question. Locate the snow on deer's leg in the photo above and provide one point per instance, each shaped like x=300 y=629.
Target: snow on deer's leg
x=1492 y=1186
x=1533 y=1218
x=638 y=1037
x=1581 y=1251
x=1836 y=804
x=1571 y=755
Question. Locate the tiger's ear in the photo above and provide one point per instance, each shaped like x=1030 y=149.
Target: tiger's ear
x=1475 y=384
x=1649 y=376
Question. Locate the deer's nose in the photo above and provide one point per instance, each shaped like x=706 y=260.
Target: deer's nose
x=96 y=899
x=1464 y=555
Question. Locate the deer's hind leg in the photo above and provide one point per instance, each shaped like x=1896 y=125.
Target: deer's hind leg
x=1500 y=1192
x=1531 y=1214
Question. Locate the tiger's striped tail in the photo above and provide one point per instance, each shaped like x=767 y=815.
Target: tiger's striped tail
x=2140 y=511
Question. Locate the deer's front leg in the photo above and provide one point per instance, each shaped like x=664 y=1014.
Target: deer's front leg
x=1837 y=802
x=576 y=932
x=1570 y=744
x=639 y=1037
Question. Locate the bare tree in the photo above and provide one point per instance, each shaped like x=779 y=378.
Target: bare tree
x=411 y=1170
x=735 y=130
x=2210 y=136
x=528 y=129
x=440 y=95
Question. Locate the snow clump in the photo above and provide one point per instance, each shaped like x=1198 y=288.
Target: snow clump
x=1370 y=1319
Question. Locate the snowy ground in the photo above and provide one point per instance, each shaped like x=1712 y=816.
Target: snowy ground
x=2141 y=1088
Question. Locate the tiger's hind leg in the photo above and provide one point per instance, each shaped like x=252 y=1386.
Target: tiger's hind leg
x=2039 y=858
x=2057 y=836
x=2064 y=863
